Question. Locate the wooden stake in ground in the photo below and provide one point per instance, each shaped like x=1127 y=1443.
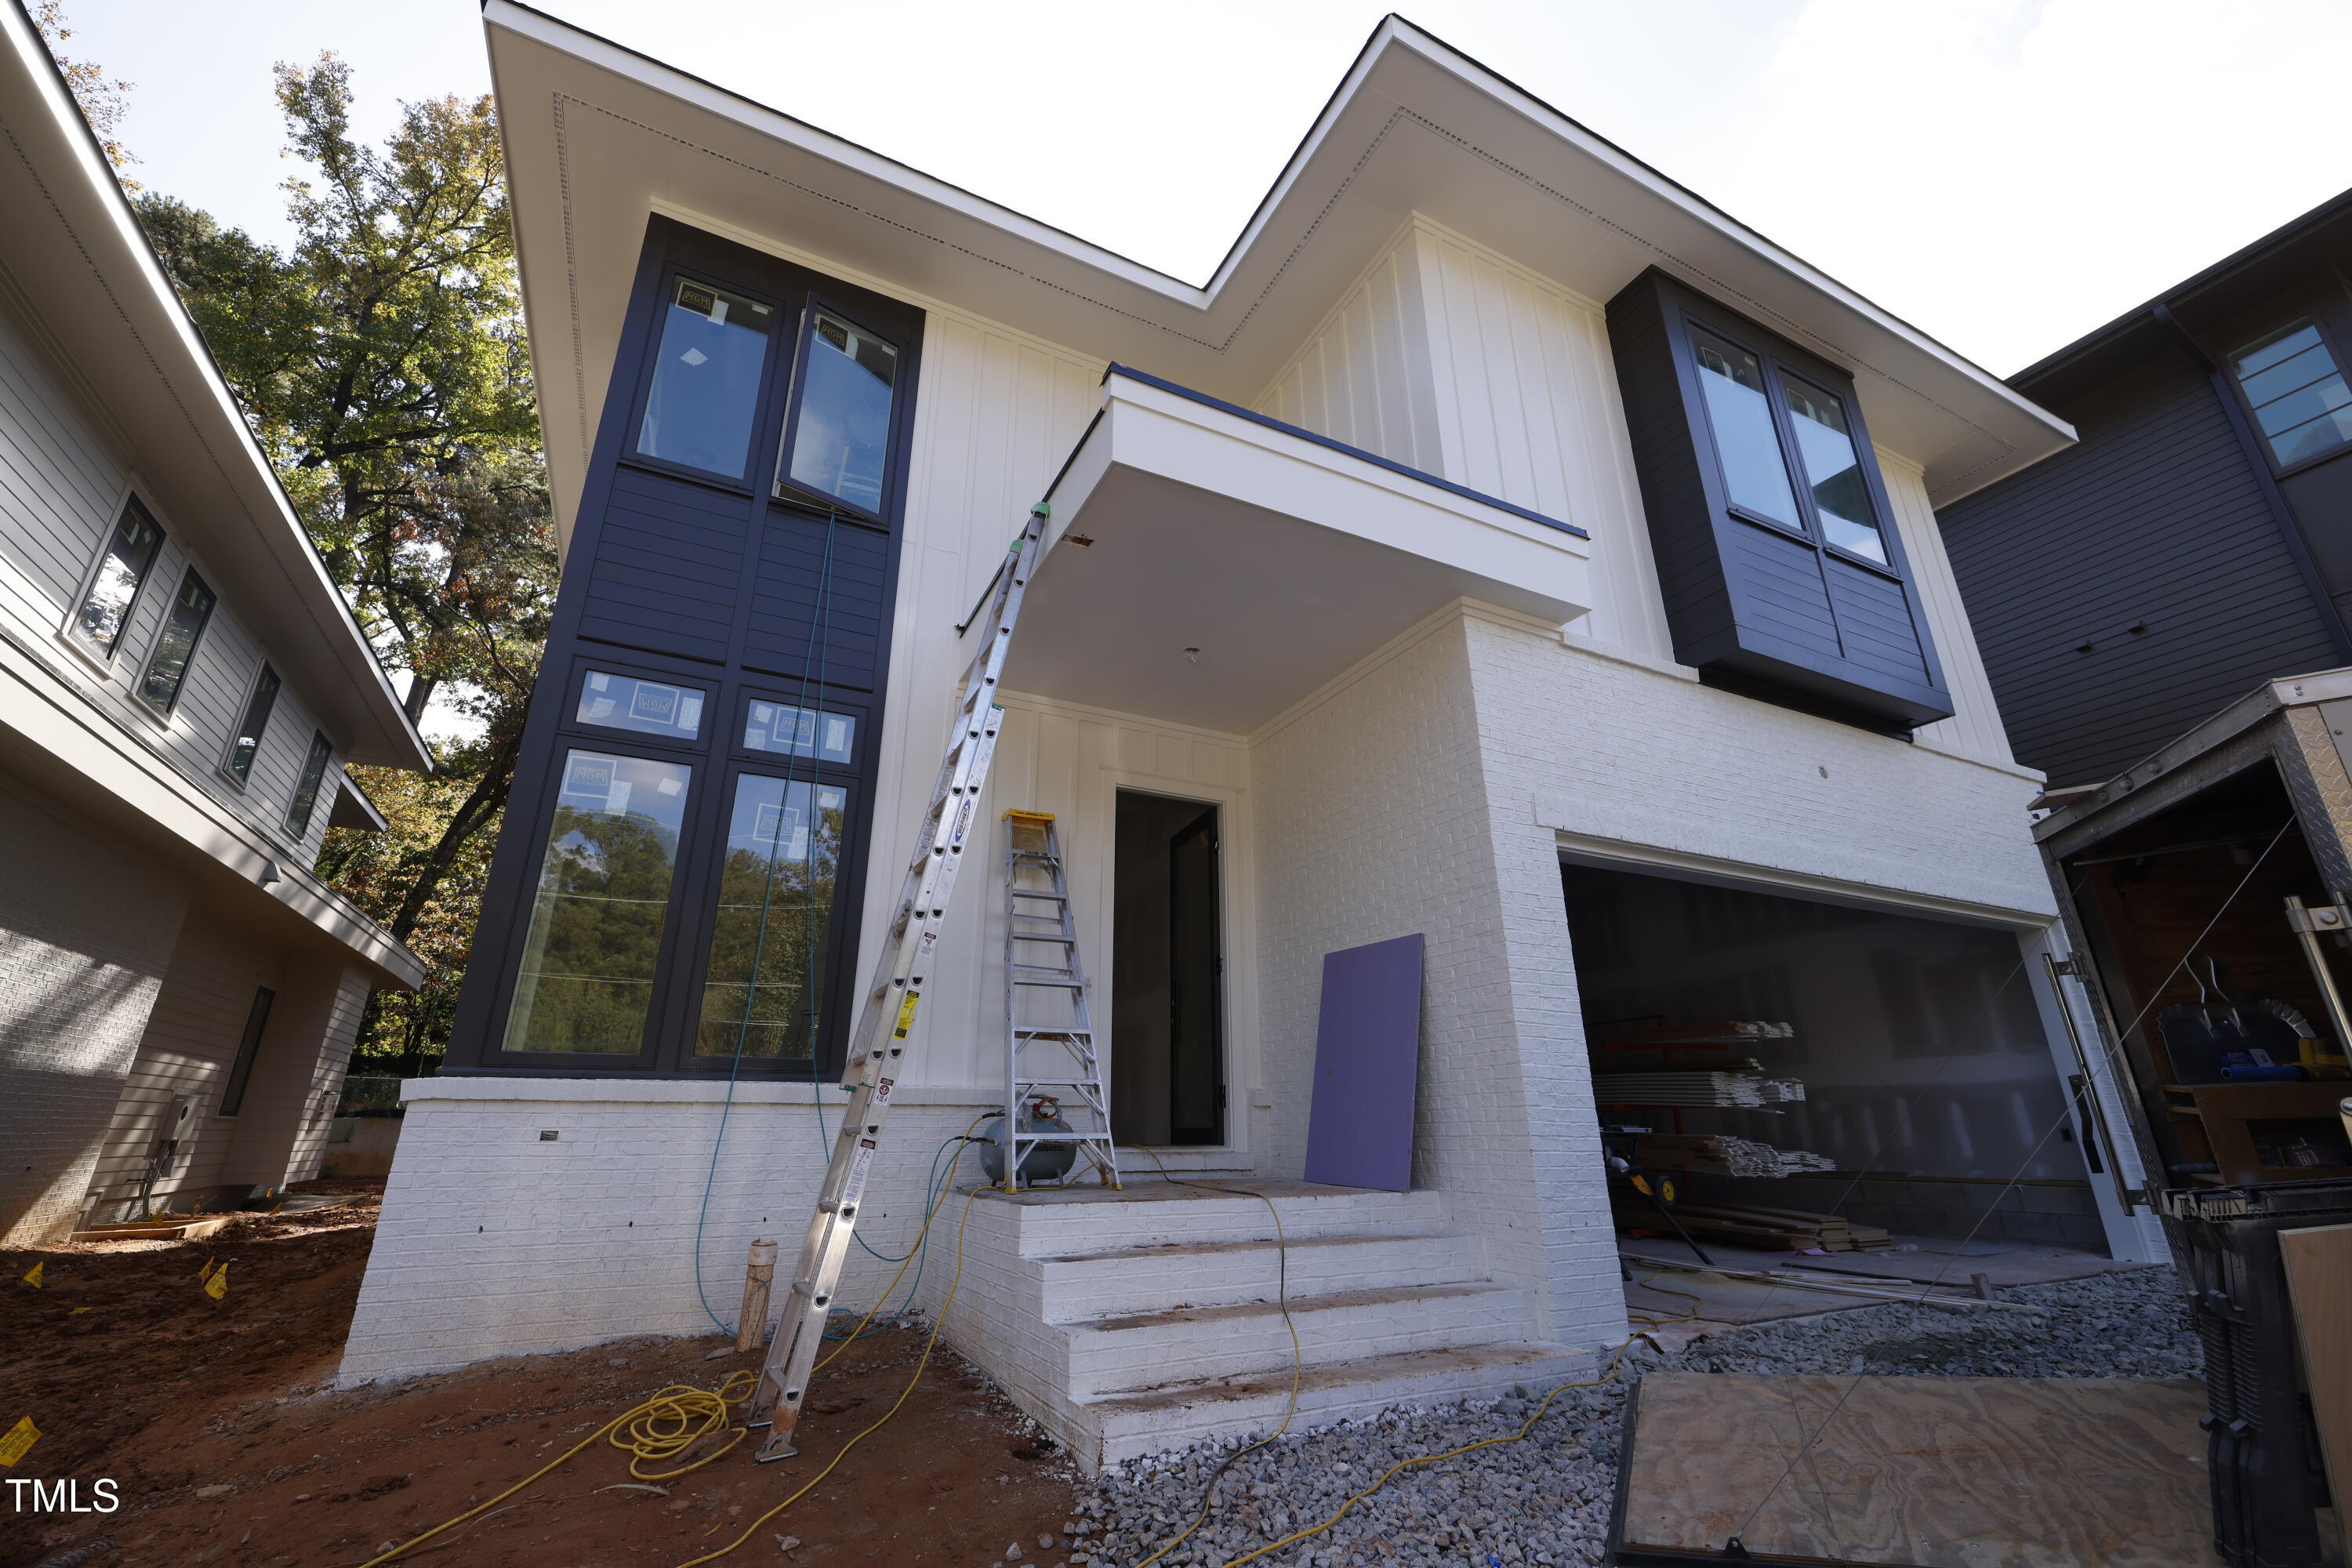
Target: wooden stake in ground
x=759 y=1280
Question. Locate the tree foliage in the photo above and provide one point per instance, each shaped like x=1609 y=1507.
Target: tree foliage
x=383 y=364
x=104 y=99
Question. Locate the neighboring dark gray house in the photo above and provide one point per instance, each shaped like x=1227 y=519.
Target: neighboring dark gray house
x=2195 y=543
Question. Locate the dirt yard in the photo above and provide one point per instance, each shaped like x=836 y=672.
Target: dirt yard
x=212 y=1419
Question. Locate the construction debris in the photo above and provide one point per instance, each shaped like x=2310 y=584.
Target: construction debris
x=1795 y=1230
x=1722 y=1154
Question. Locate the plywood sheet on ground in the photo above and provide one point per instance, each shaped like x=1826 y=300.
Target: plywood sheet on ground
x=1936 y=1259
x=1920 y=1472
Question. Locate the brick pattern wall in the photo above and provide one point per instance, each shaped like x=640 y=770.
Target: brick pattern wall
x=1377 y=820
x=495 y=1242
x=78 y=974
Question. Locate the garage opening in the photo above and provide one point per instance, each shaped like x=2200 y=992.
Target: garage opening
x=1168 y=1048
x=2237 y=1061
x=1892 y=1071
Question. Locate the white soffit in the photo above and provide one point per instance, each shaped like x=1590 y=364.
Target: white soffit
x=598 y=136
x=1278 y=558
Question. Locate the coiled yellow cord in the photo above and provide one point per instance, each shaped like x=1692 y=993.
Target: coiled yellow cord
x=660 y=1428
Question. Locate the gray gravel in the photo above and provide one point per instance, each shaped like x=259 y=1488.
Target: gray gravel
x=1546 y=1499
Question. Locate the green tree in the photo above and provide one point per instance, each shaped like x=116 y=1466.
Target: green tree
x=103 y=100
x=383 y=364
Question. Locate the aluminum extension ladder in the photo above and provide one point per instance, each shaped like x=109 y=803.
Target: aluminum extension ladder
x=1037 y=916
x=887 y=1017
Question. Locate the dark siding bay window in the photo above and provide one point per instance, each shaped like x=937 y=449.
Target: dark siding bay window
x=1783 y=572
x=681 y=861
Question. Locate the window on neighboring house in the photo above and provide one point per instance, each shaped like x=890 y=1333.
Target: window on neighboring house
x=839 y=443
x=707 y=377
x=306 y=788
x=2297 y=393
x=129 y=555
x=246 y=744
x=586 y=980
x=249 y=1046
x=175 y=645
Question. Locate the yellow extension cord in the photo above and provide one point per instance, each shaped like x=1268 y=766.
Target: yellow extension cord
x=676 y=1417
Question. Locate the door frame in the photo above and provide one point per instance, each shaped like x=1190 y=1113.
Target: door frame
x=1245 y=1100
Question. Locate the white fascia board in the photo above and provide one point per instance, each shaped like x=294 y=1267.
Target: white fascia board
x=672 y=82
x=59 y=721
x=1149 y=429
x=117 y=251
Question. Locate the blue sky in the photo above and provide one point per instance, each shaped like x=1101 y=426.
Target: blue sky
x=2005 y=174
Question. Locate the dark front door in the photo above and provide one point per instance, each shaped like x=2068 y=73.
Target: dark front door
x=1196 y=1004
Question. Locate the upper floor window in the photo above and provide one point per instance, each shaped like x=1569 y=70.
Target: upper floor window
x=175 y=645
x=1759 y=467
x=2296 y=392
x=839 y=442
x=246 y=744
x=306 y=788
x=130 y=555
x=707 y=378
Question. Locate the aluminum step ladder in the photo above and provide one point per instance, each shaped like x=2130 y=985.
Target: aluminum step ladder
x=1047 y=1012
x=886 y=1019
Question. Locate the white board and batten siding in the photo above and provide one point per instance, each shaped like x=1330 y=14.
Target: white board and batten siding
x=1449 y=357
x=63 y=481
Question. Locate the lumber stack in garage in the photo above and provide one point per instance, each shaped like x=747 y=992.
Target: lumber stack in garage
x=1731 y=1090
x=1724 y=1155
x=1795 y=1230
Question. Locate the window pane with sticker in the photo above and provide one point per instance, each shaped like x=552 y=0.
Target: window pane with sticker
x=840 y=439
x=614 y=701
x=763 y=990
x=707 y=374
x=794 y=731
x=586 y=979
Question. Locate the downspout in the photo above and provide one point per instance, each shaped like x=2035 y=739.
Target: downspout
x=2258 y=463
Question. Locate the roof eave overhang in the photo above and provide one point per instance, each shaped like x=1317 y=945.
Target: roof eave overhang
x=75 y=251
x=599 y=136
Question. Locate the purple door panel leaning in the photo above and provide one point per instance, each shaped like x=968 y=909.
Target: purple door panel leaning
x=1367 y=1057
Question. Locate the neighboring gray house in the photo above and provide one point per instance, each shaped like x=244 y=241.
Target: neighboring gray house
x=180 y=685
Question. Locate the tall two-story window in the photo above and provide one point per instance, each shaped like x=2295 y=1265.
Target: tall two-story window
x=2297 y=393
x=175 y=645
x=129 y=556
x=707 y=377
x=246 y=744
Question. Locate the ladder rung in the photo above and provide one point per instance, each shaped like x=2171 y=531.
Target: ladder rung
x=1051 y=898
x=1037 y=1032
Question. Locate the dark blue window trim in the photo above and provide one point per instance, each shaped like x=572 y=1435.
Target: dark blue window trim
x=1373 y=457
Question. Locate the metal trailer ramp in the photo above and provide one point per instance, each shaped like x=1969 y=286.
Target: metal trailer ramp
x=1913 y=1472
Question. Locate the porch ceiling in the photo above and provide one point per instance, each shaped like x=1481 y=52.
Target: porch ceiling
x=1282 y=558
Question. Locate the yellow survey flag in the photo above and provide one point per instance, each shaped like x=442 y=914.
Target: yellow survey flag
x=33 y=1275
x=76 y=1312
x=217 y=1286
x=18 y=1438
x=206 y=1271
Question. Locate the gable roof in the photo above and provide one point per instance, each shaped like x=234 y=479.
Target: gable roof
x=598 y=136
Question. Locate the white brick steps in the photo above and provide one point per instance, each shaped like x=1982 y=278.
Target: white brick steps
x=1133 y=1321
x=1131 y=1280
x=1154 y=1350
x=1132 y=1426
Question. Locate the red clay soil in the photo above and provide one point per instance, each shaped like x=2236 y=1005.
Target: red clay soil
x=212 y=1419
